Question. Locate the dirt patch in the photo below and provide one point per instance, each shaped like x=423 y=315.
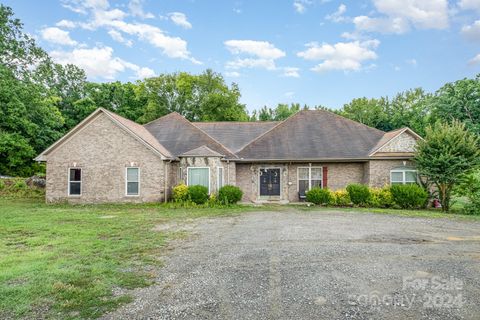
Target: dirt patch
x=395 y=239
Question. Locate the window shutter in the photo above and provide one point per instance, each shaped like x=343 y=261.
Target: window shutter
x=325 y=177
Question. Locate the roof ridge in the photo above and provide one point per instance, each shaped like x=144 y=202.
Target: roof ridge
x=345 y=118
x=236 y=122
x=209 y=136
x=269 y=130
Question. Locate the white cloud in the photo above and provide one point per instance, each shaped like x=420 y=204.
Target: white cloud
x=57 y=36
x=136 y=9
x=261 y=49
x=346 y=56
x=180 y=19
x=412 y=62
x=102 y=17
x=469 y=4
x=66 y=24
x=472 y=31
x=262 y=54
x=117 y=36
x=475 y=60
x=291 y=72
x=99 y=62
x=338 y=16
x=299 y=7
x=145 y=72
x=232 y=74
x=399 y=16
x=289 y=94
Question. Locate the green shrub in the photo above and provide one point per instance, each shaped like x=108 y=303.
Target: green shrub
x=341 y=198
x=180 y=193
x=381 y=198
x=409 y=195
x=2 y=184
x=229 y=194
x=359 y=194
x=198 y=194
x=319 y=196
x=19 y=185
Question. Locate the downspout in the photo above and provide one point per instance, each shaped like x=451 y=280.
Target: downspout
x=165 y=182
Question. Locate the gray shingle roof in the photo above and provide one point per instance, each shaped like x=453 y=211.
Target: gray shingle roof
x=179 y=135
x=235 y=135
x=313 y=134
x=202 y=151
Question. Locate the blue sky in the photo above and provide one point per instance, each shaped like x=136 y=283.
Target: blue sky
x=317 y=52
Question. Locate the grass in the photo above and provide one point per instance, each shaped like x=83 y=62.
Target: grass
x=63 y=261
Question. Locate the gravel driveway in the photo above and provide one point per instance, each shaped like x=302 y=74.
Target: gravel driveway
x=317 y=265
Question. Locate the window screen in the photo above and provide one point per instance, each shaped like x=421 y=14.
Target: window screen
x=199 y=176
x=75 y=182
x=133 y=181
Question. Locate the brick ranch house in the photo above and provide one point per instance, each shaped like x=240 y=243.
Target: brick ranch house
x=107 y=158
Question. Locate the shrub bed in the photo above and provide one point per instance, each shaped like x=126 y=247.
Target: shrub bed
x=409 y=196
x=198 y=194
x=359 y=194
x=229 y=194
x=319 y=196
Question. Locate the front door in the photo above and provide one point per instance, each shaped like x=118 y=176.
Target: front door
x=270 y=182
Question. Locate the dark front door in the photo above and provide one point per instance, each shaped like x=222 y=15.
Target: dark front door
x=270 y=182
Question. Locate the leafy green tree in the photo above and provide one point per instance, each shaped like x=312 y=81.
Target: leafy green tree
x=371 y=112
x=448 y=153
x=203 y=97
x=459 y=100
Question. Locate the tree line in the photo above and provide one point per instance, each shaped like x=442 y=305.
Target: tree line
x=41 y=100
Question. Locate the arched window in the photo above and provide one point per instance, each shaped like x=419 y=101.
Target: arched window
x=403 y=175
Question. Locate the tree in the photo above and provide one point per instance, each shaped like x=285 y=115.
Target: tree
x=448 y=152
x=203 y=97
x=371 y=112
x=459 y=100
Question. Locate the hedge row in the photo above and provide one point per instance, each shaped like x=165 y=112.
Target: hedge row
x=199 y=194
x=408 y=196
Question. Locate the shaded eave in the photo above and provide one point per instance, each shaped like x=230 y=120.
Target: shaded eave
x=364 y=159
x=42 y=156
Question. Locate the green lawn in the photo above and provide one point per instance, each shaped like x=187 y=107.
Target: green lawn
x=64 y=261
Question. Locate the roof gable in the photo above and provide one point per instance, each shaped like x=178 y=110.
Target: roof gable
x=313 y=134
x=401 y=140
x=132 y=128
x=235 y=135
x=179 y=135
x=202 y=151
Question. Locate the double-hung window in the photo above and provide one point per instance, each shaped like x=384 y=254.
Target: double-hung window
x=308 y=178
x=74 y=181
x=403 y=175
x=133 y=181
x=198 y=176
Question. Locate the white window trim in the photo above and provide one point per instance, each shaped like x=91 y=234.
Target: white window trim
x=81 y=182
x=403 y=172
x=209 y=180
x=260 y=179
x=180 y=175
x=309 y=177
x=218 y=177
x=126 y=182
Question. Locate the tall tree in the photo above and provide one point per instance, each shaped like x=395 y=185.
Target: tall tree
x=459 y=100
x=448 y=153
x=371 y=112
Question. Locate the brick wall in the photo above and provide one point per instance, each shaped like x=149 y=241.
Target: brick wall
x=103 y=151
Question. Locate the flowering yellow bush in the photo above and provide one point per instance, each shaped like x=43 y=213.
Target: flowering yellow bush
x=341 y=198
x=381 y=197
x=180 y=193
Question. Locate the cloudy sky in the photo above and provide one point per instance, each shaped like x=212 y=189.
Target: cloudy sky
x=318 y=52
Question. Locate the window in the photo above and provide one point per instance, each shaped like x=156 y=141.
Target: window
x=180 y=175
x=403 y=175
x=308 y=178
x=133 y=182
x=198 y=176
x=74 y=181
x=220 y=181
